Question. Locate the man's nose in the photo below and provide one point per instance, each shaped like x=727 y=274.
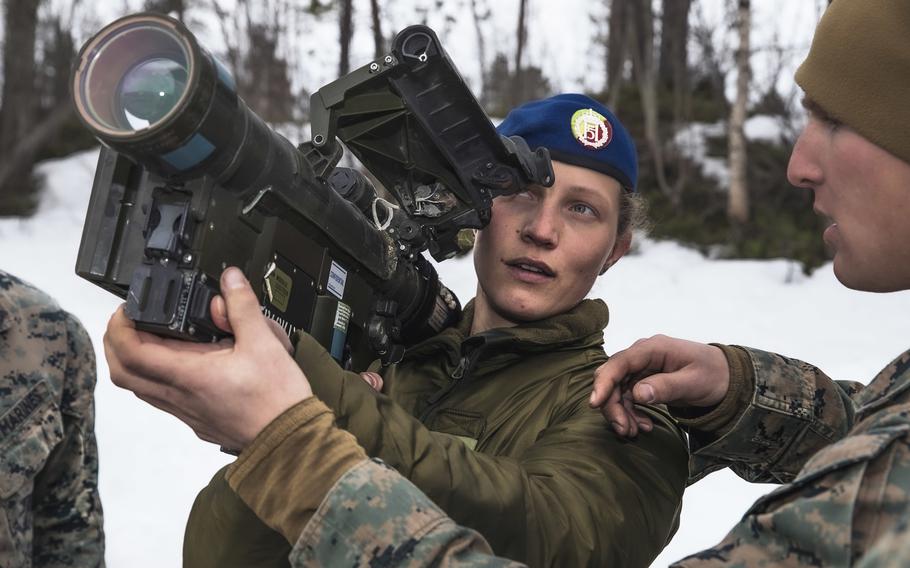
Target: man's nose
x=803 y=169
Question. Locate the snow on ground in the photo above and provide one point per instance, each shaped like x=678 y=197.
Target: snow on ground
x=152 y=466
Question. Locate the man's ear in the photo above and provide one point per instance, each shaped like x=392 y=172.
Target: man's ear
x=622 y=246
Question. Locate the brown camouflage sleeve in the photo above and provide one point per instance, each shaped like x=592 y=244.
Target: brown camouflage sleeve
x=891 y=549
x=68 y=524
x=303 y=439
x=375 y=517
x=847 y=506
x=794 y=410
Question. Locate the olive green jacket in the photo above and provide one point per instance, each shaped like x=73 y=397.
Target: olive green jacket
x=842 y=449
x=496 y=429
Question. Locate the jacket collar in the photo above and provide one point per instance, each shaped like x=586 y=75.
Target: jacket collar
x=582 y=326
x=588 y=317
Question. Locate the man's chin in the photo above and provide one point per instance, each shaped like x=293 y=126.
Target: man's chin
x=844 y=275
x=864 y=280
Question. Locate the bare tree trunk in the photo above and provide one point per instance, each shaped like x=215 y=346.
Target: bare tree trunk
x=345 y=34
x=617 y=49
x=712 y=67
x=645 y=74
x=674 y=52
x=481 y=43
x=378 y=39
x=21 y=157
x=521 y=35
x=738 y=201
x=17 y=115
x=59 y=57
x=232 y=52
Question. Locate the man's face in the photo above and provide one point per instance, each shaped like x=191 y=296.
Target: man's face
x=543 y=248
x=865 y=191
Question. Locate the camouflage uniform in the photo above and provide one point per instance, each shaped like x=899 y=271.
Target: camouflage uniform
x=375 y=517
x=50 y=514
x=842 y=450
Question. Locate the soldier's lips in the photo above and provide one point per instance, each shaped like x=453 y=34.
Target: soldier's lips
x=530 y=270
x=826 y=219
x=830 y=231
x=830 y=235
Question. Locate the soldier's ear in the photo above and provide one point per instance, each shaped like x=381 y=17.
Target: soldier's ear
x=620 y=248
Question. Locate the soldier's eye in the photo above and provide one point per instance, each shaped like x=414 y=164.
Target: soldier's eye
x=583 y=209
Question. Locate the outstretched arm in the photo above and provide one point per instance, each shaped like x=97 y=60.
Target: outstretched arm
x=760 y=413
x=659 y=370
x=227 y=392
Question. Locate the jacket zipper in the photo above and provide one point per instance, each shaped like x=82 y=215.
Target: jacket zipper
x=469 y=354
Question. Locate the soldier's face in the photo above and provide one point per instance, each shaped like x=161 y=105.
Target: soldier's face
x=544 y=248
x=865 y=191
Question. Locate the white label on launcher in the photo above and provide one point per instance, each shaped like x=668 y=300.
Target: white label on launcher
x=337 y=278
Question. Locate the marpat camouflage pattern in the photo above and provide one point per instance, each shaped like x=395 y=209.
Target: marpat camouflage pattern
x=51 y=513
x=842 y=450
x=375 y=517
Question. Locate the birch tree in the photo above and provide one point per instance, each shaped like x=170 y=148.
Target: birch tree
x=738 y=199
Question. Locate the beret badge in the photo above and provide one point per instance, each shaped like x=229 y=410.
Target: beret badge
x=591 y=129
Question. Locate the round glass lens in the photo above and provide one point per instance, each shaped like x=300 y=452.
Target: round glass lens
x=150 y=90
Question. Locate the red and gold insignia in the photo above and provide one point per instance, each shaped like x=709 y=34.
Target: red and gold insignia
x=591 y=129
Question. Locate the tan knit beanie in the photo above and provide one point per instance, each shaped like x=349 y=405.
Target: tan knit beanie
x=858 y=70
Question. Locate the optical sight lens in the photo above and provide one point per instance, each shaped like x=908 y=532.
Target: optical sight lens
x=132 y=77
x=150 y=90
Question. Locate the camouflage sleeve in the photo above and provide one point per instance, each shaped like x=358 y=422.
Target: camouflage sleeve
x=848 y=506
x=68 y=518
x=892 y=548
x=375 y=517
x=793 y=411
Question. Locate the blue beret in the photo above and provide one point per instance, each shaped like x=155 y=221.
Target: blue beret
x=577 y=130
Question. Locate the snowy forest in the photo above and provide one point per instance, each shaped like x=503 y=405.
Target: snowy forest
x=686 y=76
x=705 y=86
